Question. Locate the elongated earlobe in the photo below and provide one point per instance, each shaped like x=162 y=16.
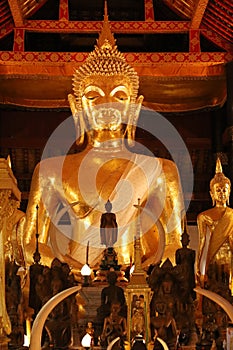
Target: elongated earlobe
x=78 y=120
x=212 y=197
x=135 y=109
x=131 y=130
x=80 y=128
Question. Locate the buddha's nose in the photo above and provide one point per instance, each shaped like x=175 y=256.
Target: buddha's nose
x=108 y=99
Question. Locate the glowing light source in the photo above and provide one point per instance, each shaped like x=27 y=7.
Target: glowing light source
x=26 y=341
x=27 y=336
x=132 y=269
x=86 y=341
x=85 y=272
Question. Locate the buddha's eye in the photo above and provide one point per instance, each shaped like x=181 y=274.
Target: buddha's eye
x=92 y=95
x=121 y=96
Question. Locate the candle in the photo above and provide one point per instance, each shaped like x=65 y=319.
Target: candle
x=87 y=252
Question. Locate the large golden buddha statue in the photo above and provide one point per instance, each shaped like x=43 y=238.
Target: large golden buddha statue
x=105 y=107
x=215 y=227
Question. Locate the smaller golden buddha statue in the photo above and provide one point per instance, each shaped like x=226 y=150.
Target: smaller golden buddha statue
x=215 y=227
x=114 y=326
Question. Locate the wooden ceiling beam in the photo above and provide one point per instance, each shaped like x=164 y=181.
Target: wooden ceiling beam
x=16 y=12
x=215 y=37
x=116 y=26
x=198 y=14
x=217 y=14
x=30 y=7
x=218 y=27
x=218 y=11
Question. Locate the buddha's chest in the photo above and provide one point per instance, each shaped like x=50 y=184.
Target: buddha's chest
x=97 y=180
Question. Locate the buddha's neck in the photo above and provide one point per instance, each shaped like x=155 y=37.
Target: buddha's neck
x=221 y=205
x=108 y=143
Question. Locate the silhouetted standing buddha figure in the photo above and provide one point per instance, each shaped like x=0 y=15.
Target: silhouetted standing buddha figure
x=108 y=226
x=185 y=257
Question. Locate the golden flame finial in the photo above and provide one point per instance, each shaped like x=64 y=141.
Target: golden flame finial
x=218 y=168
x=9 y=161
x=219 y=177
x=106 y=38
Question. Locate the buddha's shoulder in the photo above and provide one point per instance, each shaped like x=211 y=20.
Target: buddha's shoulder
x=213 y=214
x=167 y=163
x=208 y=213
x=215 y=210
x=169 y=169
x=59 y=163
x=47 y=166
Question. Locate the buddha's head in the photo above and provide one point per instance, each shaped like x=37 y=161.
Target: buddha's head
x=112 y=277
x=185 y=239
x=106 y=89
x=108 y=206
x=220 y=186
x=115 y=308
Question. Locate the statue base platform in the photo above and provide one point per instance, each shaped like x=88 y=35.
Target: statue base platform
x=101 y=276
x=4 y=341
x=4 y=346
x=127 y=347
x=109 y=263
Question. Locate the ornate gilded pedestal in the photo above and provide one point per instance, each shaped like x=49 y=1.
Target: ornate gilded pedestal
x=9 y=202
x=138 y=296
x=109 y=262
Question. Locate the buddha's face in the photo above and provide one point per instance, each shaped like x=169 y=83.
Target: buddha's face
x=115 y=308
x=106 y=101
x=185 y=240
x=220 y=192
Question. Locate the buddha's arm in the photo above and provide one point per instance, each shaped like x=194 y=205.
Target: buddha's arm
x=177 y=257
x=20 y=258
x=102 y=221
x=202 y=230
x=114 y=222
x=37 y=219
x=103 y=297
x=124 y=326
x=106 y=322
x=174 y=204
